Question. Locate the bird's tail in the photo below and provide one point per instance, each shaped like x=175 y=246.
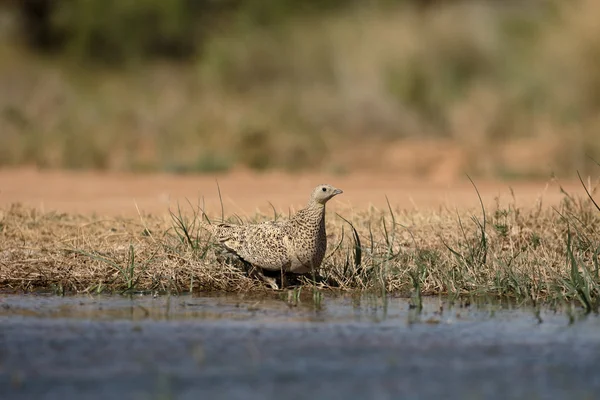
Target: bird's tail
x=223 y=232
x=208 y=227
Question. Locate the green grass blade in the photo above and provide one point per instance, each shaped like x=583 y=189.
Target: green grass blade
x=588 y=192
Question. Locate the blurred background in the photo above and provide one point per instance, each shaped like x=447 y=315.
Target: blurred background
x=427 y=88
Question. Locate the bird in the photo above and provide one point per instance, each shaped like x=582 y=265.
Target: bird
x=296 y=245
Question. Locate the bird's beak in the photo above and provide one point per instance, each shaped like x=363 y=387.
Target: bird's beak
x=338 y=191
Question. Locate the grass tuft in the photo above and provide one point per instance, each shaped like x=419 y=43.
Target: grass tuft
x=581 y=283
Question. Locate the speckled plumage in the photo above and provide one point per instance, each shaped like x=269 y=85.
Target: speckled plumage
x=297 y=245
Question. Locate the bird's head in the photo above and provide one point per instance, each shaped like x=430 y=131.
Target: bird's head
x=322 y=193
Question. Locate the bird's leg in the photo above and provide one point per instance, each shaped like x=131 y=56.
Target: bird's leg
x=256 y=272
x=283 y=280
x=269 y=281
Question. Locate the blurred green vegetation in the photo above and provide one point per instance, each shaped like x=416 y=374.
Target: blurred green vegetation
x=121 y=31
x=204 y=85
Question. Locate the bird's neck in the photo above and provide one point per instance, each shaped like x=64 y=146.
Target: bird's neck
x=315 y=206
x=314 y=213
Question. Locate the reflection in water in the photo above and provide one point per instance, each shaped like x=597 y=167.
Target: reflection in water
x=274 y=308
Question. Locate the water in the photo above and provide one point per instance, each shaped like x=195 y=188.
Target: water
x=255 y=348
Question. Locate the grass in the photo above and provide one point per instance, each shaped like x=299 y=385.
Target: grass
x=535 y=253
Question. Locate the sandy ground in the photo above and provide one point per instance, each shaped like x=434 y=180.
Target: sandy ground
x=121 y=194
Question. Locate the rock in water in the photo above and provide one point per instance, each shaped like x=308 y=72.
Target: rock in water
x=297 y=245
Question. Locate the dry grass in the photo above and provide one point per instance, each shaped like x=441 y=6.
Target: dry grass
x=537 y=253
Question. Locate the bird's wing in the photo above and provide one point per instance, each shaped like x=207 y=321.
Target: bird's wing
x=262 y=245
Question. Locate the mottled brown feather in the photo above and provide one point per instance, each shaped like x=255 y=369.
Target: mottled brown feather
x=296 y=245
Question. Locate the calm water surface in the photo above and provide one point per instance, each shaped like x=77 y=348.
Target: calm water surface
x=235 y=347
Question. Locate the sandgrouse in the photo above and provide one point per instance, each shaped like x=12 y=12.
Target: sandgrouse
x=296 y=245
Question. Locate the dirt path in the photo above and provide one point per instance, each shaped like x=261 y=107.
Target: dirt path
x=243 y=192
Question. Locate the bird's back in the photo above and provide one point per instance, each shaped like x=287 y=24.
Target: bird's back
x=264 y=245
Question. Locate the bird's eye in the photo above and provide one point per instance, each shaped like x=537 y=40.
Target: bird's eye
x=324 y=189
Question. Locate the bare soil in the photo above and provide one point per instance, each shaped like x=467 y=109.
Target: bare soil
x=243 y=192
